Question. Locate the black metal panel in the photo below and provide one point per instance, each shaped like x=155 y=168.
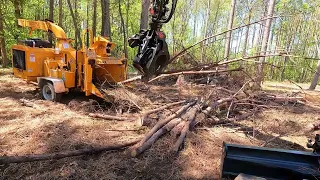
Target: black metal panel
x=19 y=59
x=269 y=163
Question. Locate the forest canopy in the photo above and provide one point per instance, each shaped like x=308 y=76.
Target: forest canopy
x=294 y=30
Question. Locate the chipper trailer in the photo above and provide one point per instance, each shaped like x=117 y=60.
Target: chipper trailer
x=58 y=69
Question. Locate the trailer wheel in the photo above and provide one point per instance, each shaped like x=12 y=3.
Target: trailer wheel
x=47 y=93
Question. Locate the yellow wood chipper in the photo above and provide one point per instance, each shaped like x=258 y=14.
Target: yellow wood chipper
x=58 y=69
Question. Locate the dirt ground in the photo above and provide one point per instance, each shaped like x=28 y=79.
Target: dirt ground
x=49 y=127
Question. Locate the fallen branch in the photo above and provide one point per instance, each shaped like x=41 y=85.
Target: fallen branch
x=165 y=121
x=280 y=99
x=135 y=152
x=218 y=34
x=222 y=62
x=193 y=72
x=146 y=114
x=108 y=117
x=60 y=155
x=130 y=80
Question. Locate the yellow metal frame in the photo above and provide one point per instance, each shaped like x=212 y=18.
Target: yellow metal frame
x=77 y=69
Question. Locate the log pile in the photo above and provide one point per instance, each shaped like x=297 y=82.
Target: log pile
x=236 y=107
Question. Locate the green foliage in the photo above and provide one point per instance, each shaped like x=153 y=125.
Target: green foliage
x=295 y=32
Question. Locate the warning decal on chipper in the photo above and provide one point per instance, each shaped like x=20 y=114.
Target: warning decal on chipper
x=32 y=58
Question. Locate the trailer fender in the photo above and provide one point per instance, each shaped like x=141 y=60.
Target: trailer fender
x=57 y=83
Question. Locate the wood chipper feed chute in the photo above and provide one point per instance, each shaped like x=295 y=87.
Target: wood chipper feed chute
x=107 y=70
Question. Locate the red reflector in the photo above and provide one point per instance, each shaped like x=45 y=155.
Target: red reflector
x=151 y=11
x=161 y=35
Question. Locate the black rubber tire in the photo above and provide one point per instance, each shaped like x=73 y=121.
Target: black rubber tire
x=47 y=93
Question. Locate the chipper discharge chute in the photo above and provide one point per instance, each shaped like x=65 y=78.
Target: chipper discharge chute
x=59 y=68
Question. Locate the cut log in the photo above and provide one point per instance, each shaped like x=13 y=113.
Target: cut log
x=165 y=121
x=172 y=124
x=108 y=117
x=175 y=132
x=135 y=152
x=146 y=114
x=60 y=155
x=192 y=115
x=216 y=104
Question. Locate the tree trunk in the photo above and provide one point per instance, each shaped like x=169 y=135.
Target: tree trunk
x=77 y=32
x=173 y=35
x=2 y=40
x=75 y=23
x=229 y=33
x=106 y=27
x=124 y=31
x=265 y=40
x=51 y=8
x=144 y=19
x=17 y=8
x=203 y=49
x=317 y=73
x=94 y=18
x=60 y=13
x=245 y=45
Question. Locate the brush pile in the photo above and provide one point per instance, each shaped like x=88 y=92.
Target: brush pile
x=191 y=100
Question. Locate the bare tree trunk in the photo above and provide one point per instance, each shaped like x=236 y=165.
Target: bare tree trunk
x=229 y=33
x=17 y=8
x=194 y=26
x=317 y=73
x=124 y=31
x=203 y=49
x=75 y=23
x=94 y=18
x=237 y=49
x=2 y=40
x=265 y=41
x=215 y=21
x=145 y=14
x=173 y=34
x=245 y=45
x=60 y=13
x=106 y=27
x=51 y=8
x=77 y=35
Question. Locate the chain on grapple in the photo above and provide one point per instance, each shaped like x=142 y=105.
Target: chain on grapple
x=153 y=54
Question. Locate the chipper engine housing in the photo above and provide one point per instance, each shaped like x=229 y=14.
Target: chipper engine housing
x=59 y=68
